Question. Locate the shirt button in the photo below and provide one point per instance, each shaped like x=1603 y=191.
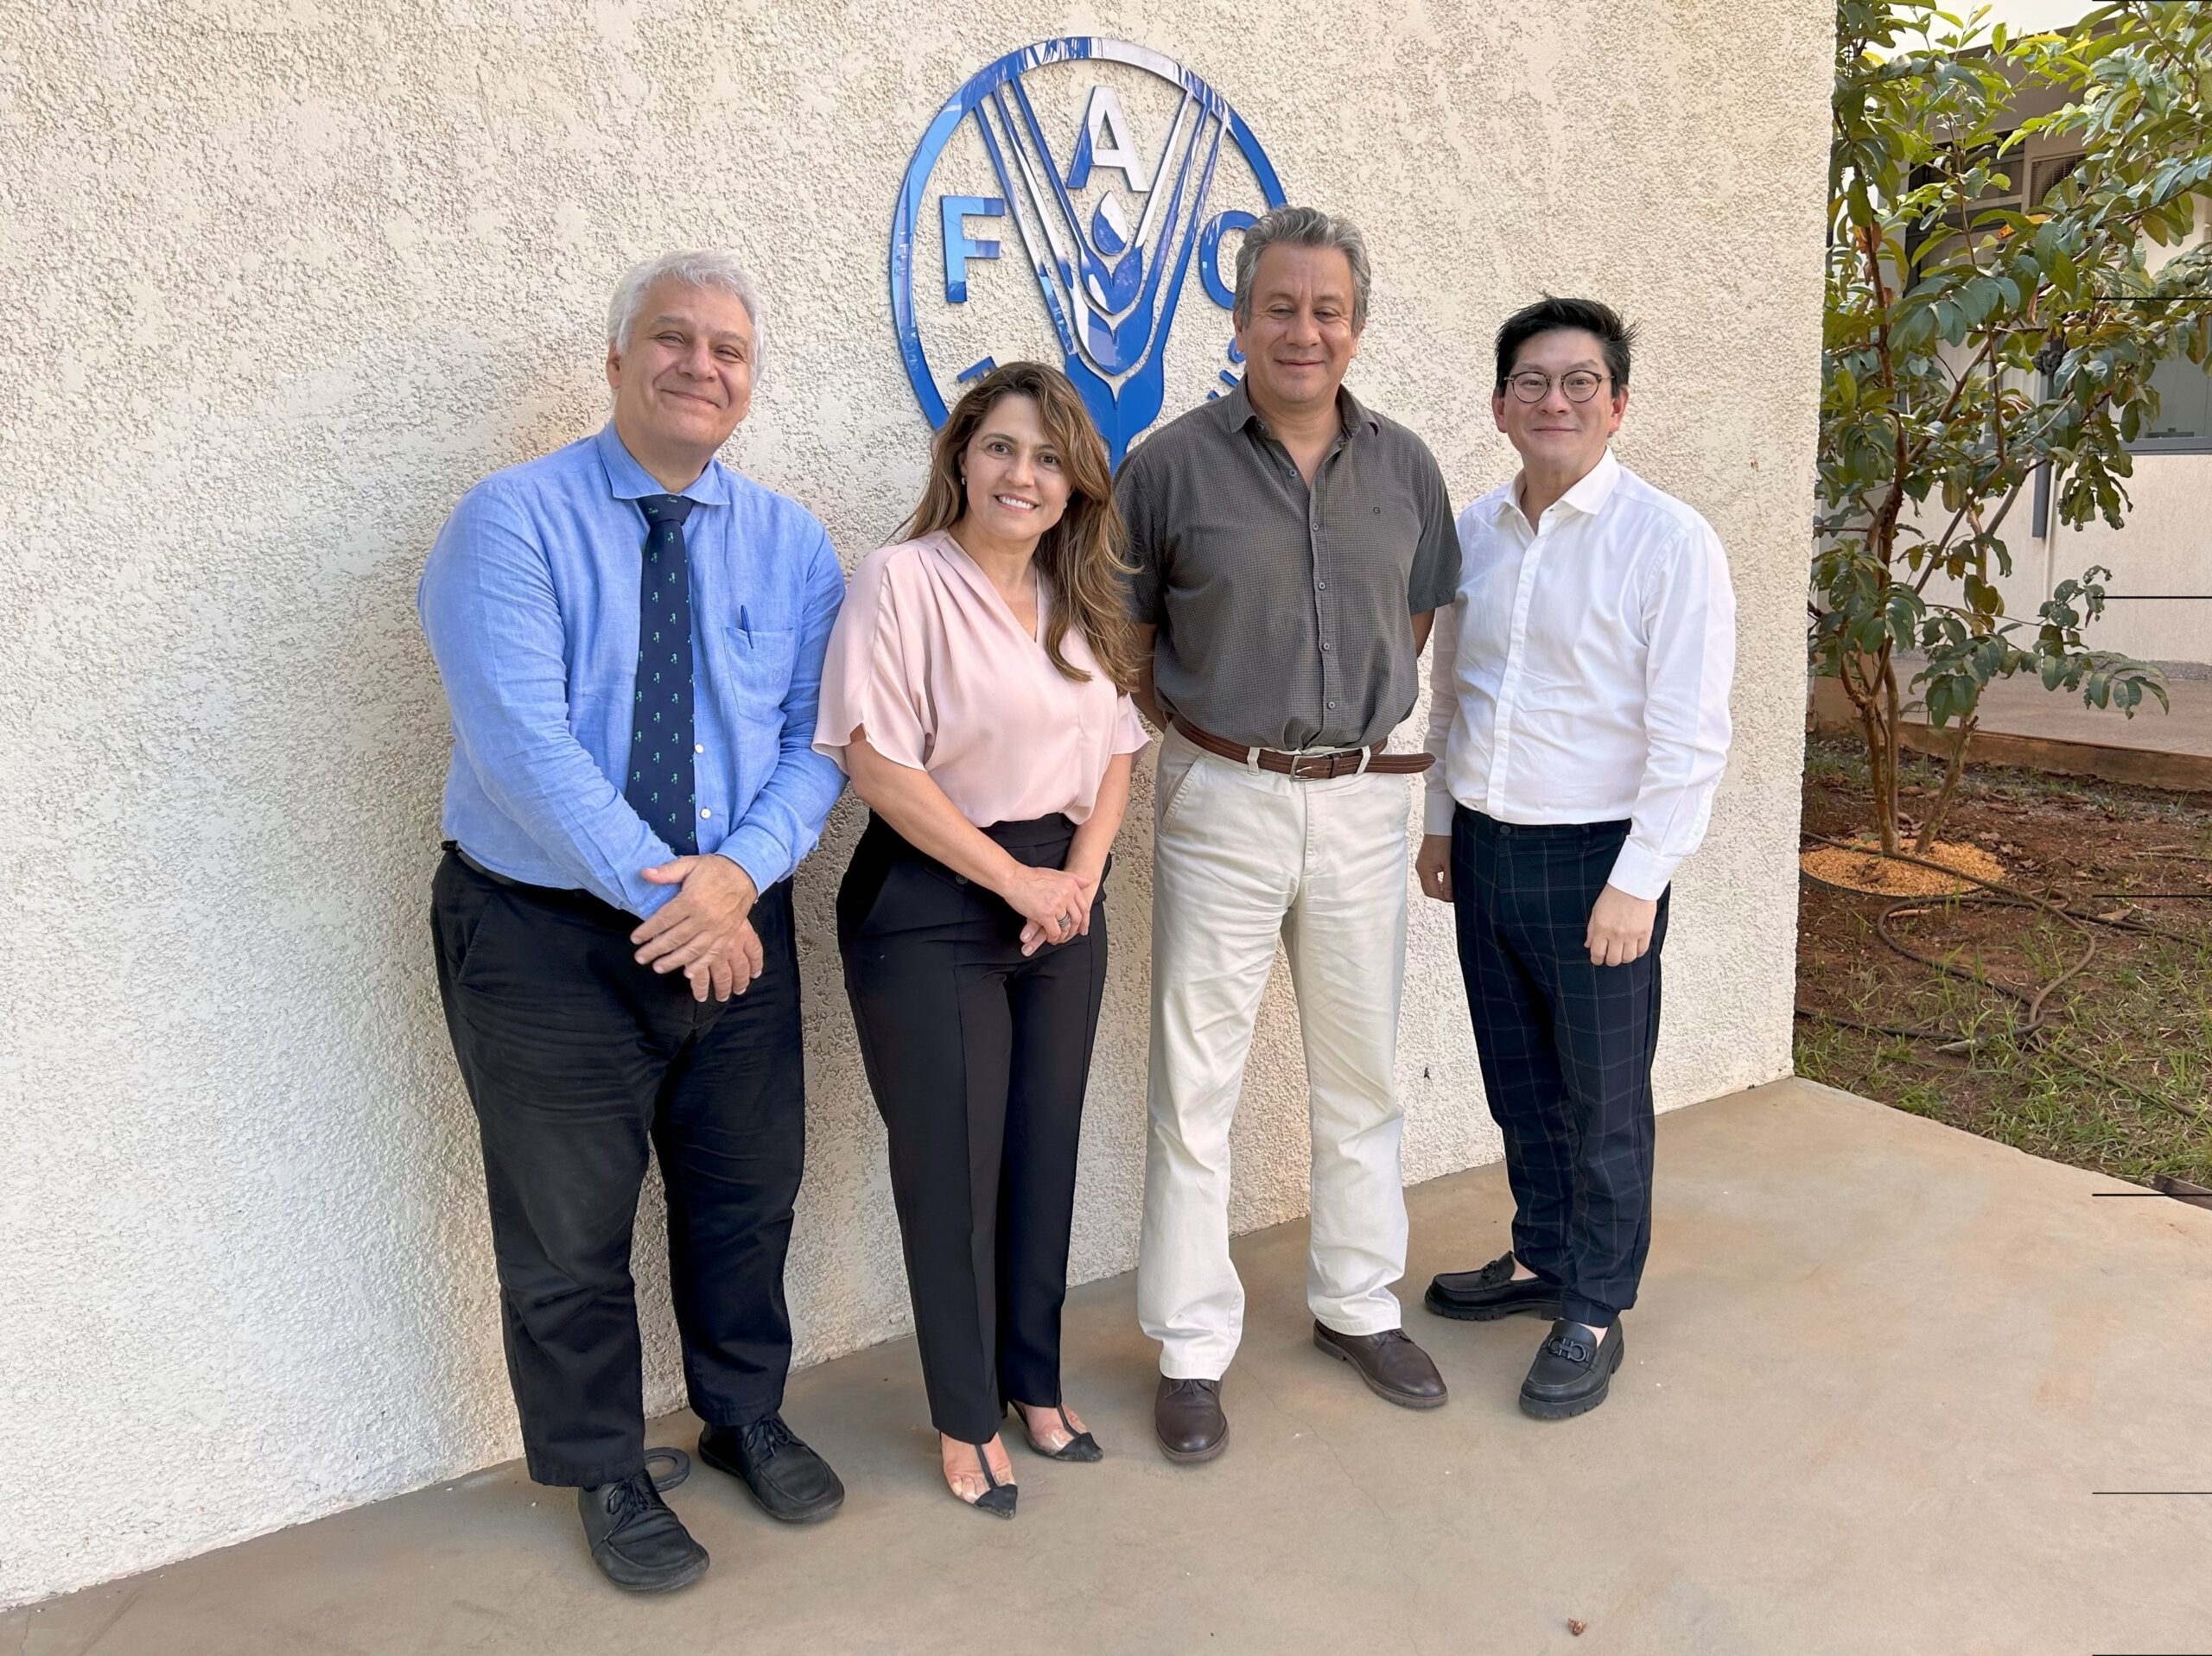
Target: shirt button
x=698 y=747
x=706 y=813
x=1320 y=585
x=1324 y=644
x=1332 y=704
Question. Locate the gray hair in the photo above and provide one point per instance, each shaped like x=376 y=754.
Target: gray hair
x=710 y=269
x=1303 y=227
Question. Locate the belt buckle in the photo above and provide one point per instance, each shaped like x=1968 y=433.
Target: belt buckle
x=1326 y=759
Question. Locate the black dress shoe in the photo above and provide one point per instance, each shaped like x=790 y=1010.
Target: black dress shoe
x=789 y=1480
x=1391 y=1364
x=1186 y=1413
x=635 y=1540
x=1570 y=1375
x=1485 y=1295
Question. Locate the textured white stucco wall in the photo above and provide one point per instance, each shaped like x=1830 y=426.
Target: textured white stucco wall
x=282 y=278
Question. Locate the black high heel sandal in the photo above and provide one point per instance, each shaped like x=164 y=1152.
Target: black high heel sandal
x=1081 y=1445
x=997 y=1498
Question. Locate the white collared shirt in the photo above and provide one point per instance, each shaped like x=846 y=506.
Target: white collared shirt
x=1581 y=674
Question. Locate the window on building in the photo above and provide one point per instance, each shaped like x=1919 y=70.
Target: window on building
x=2007 y=172
x=2044 y=175
x=2184 y=421
x=2015 y=182
x=2004 y=190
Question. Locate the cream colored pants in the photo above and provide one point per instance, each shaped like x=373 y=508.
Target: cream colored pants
x=1244 y=856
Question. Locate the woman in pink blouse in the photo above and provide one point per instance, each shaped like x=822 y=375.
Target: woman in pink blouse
x=977 y=693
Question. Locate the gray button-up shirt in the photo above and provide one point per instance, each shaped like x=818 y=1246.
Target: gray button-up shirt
x=1282 y=610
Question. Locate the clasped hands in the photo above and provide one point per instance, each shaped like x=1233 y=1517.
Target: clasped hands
x=706 y=929
x=1620 y=925
x=1054 y=904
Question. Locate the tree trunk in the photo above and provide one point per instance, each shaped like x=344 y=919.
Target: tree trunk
x=1954 y=763
x=1871 y=683
x=1886 y=799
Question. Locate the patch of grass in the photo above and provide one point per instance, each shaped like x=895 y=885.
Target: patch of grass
x=2120 y=1078
x=1828 y=760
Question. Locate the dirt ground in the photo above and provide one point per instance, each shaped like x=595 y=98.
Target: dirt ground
x=2116 y=1075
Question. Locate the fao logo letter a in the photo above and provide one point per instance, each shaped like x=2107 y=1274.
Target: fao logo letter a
x=1107 y=175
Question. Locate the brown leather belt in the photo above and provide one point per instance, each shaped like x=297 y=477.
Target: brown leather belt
x=1309 y=767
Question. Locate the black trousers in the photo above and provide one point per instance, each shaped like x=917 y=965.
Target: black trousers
x=577 y=1058
x=978 y=1060
x=1565 y=1051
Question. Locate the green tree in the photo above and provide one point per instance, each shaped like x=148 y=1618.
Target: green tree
x=1969 y=344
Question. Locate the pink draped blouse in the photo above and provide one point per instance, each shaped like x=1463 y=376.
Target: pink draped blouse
x=927 y=657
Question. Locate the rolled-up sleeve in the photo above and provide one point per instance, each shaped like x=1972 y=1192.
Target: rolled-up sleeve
x=1690 y=613
x=783 y=821
x=1437 y=801
x=491 y=615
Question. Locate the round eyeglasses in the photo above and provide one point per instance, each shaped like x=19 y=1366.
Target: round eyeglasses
x=1532 y=386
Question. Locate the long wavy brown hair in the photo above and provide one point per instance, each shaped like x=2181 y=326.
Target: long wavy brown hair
x=1080 y=555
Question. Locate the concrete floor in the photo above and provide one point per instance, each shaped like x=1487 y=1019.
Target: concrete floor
x=2021 y=707
x=1879 y=1370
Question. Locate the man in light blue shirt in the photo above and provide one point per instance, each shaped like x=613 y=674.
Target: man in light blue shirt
x=631 y=638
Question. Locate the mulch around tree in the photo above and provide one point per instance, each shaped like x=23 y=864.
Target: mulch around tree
x=1859 y=866
x=2075 y=1022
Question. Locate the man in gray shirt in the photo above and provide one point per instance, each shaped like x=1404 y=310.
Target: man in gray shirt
x=1290 y=547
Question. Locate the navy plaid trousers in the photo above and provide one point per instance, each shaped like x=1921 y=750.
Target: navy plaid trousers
x=1565 y=1051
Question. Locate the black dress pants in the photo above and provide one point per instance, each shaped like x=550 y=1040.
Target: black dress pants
x=577 y=1058
x=1565 y=1051
x=978 y=1059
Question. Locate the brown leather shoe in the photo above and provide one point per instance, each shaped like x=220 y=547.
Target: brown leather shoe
x=1391 y=1364
x=1187 y=1415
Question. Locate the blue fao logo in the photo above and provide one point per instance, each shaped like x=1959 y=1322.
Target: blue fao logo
x=1108 y=171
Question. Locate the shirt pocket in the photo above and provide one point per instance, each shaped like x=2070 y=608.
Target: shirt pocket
x=760 y=662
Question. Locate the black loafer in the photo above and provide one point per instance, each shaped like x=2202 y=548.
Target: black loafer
x=789 y=1480
x=635 y=1540
x=1570 y=1375
x=1484 y=1295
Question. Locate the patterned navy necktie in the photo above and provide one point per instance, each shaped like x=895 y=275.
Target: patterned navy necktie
x=662 y=789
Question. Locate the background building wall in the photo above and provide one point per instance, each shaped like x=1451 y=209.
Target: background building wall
x=283 y=277
x=2160 y=590
x=2159 y=585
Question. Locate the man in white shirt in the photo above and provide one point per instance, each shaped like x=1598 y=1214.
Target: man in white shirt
x=1580 y=721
